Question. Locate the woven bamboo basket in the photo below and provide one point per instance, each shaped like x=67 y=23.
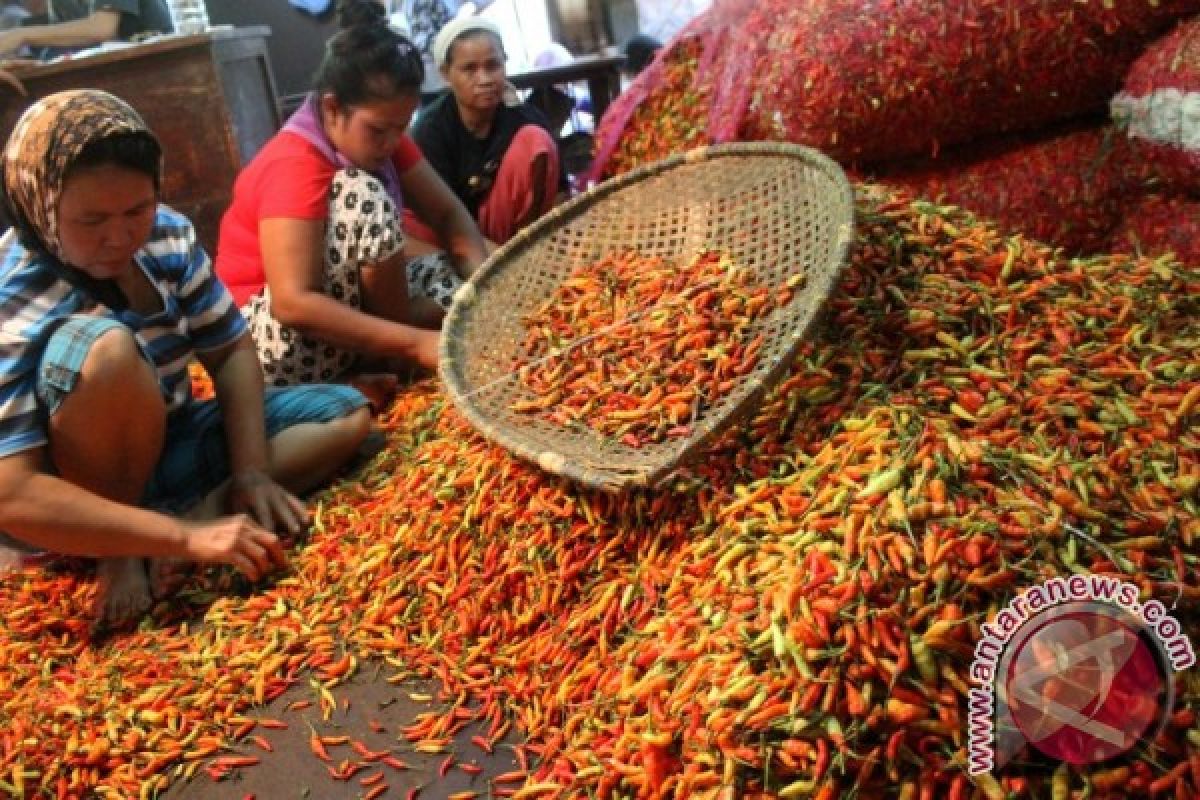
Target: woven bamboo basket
x=775 y=208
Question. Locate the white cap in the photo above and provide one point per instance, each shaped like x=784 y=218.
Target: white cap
x=456 y=28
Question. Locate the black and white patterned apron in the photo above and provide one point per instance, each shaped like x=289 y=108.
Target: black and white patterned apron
x=362 y=228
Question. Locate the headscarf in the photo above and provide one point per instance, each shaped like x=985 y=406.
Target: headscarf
x=457 y=27
x=44 y=145
x=305 y=122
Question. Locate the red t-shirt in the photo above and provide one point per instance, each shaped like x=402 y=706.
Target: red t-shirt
x=289 y=178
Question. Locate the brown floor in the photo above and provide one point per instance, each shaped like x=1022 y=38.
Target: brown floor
x=293 y=771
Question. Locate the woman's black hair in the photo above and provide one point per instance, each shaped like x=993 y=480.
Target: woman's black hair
x=137 y=151
x=352 y=13
x=639 y=52
x=366 y=59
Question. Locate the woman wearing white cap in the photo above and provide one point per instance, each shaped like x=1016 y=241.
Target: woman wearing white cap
x=497 y=154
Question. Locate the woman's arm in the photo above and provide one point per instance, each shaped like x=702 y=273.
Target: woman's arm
x=100 y=26
x=55 y=515
x=237 y=378
x=293 y=251
x=58 y=516
x=439 y=208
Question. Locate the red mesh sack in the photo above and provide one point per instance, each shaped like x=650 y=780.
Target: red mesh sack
x=874 y=80
x=1157 y=224
x=664 y=111
x=1160 y=107
x=1063 y=188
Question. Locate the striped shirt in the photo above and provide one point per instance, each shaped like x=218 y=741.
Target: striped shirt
x=197 y=314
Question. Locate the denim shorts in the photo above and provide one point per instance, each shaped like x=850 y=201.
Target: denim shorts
x=195 y=456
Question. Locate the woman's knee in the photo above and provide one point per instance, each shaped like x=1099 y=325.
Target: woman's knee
x=95 y=368
x=117 y=360
x=105 y=408
x=530 y=142
x=534 y=139
x=114 y=355
x=351 y=429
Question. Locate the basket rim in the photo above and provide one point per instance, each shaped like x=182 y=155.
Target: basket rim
x=615 y=479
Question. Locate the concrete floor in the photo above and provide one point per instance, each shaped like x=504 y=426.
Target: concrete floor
x=293 y=771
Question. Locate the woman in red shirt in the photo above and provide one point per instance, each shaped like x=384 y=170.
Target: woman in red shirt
x=312 y=246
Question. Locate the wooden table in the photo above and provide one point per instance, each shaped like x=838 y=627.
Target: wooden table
x=210 y=99
x=602 y=73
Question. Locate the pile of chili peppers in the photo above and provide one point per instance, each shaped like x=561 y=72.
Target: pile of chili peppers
x=1063 y=186
x=867 y=82
x=665 y=112
x=979 y=88
x=793 y=616
x=636 y=347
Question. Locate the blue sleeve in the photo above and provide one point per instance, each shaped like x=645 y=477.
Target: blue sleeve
x=25 y=315
x=21 y=425
x=212 y=317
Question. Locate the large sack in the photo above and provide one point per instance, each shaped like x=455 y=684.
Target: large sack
x=1156 y=224
x=1160 y=106
x=665 y=111
x=867 y=81
x=1063 y=188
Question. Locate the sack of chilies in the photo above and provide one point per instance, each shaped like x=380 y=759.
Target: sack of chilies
x=1156 y=224
x=1064 y=188
x=1159 y=107
x=869 y=81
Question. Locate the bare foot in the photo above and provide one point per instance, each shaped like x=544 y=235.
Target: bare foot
x=378 y=387
x=167 y=576
x=124 y=594
x=10 y=559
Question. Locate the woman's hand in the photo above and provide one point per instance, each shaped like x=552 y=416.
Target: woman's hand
x=12 y=80
x=426 y=350
x=437 y=206
x=237 y=541
x=253 y=492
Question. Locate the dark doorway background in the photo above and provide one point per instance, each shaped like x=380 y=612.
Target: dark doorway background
x=294 y=47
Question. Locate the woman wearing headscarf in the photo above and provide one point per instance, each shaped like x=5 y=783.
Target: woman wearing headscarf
x=496 y=153
x=312 y=244
x=105 y=298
